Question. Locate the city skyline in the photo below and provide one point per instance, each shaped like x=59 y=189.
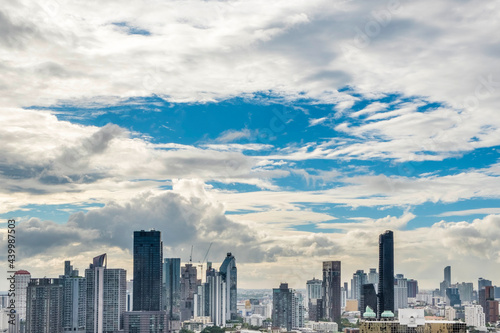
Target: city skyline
x=288 y=133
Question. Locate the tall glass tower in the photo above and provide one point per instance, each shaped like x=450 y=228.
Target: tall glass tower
x=332 y=300
x=148 y=254
x=386 y=273
x=229 y=275
x=171 y=292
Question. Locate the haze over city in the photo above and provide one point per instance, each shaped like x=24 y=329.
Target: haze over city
x=287 y=133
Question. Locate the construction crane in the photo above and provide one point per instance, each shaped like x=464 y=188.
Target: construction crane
x=204 y=260
x=191 y=255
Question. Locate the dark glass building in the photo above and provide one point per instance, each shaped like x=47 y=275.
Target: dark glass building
x=332 y=298
x=386 y=273
x=229 y=274
x=283 y=307
x=368 y=298
x=171 y=283
x=148 y=254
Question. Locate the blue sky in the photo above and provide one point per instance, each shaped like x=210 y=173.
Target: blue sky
x=300 y=131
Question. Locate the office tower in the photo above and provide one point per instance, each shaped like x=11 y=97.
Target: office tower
x=466 y=292
x=106 y=296
x=368 y=298
x=74 y=300
x=21 y=280
x=386 y=273
x=346 y=289
x=373 y=276
x=189 y=284
x=481 y=283
x=287 y=308
x=400 y=292
x=148 y=254
x=314 y=289
x=216 y=297
x=229 y=275
x=412 y=288
x=171 y=284
x=447 y=275
x=358 y=280
x=44 y=306
x=331 y=290
x=474 y=316
x=146 y=321
x=453 y=297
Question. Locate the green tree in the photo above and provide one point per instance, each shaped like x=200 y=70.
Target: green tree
x=213 y=329
x=185 y=330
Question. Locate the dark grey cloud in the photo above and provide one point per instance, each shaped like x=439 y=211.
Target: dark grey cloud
x=14 y=35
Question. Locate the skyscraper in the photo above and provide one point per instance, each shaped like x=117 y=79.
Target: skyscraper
x=481 y=283
x=171 y=285
x=22 y=278
x=229 y=275
x=447 y=275
x=412 y=288
x=315 y=299
x=106 y=296
x=373 y=276
x=465 y=289
x=358 y=280
x=331 y=290
x=216 y=297
x=148 y=254
x=44 y=306
x=386 y=273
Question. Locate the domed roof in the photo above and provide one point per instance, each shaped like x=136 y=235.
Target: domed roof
x=387 y=314
x=22 y=272
x=369 y=313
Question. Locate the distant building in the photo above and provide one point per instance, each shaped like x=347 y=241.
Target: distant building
x=44 y=305
x=106 y=296
x=481 y=283
x=287 y=308
x=465 y=290
x=229 y=274
x=189 y=282
x=315 y=299
x=323 y=327
x=358 y=280
x=74 y=300
x=171 y=284
x=368 y=298
x=474 y=316
x=148 y=254
x=400 y=292
x=22 y=278
x=490 y=306
x=412 y=288
x=215 y=297
x=453 y=297
x=331 y=290
x=373 y=277
x=386 y=273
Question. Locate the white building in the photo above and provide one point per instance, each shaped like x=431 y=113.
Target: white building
x=22 y=278
x=450 y=313
x=322 y=326
x=474 y=316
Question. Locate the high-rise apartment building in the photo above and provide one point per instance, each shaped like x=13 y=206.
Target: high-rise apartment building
x=22 y=279
x=400 y=292
x=216 y=297
x=229 y=274
x=331 y=290
x=148 y=254
x=189 y=283
x=474 y=316
x=358 y=280
x=314 y=289
x=106 y=296
x=171 y=284
x=44 y=305
x=288 y=310
x=386 y=273
x=74 y=300
x=490 y=306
